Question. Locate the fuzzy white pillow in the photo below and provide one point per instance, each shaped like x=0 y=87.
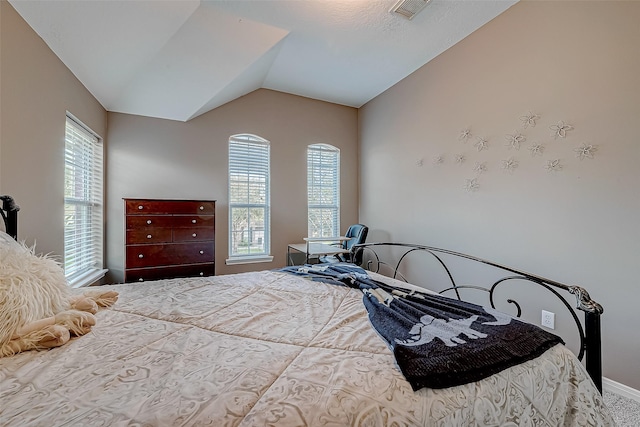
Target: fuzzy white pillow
x=6 y=240
x=32 y=287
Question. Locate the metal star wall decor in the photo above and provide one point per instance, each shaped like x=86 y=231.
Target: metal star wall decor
x=536 y=146
x=465 y=135
x=536 y=149
x=481 y=144
x=560 y=130
x=514 y=140
x=585 y=151
x=529 y=120
x=553 y=165
x=480 y=167
x=510 y=164
x=472 y=185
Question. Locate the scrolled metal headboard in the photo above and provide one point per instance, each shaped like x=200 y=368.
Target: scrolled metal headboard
x=10 y=218
x=590 y=334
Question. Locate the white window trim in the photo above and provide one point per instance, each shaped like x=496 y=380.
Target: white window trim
x=87 y=278
x=336 y=150
x=89 y=275
x=255 y=259
x=261 y=257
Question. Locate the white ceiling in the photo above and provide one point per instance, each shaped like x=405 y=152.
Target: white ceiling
x=177 y=59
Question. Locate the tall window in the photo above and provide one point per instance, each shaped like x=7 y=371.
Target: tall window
x=249 y=209
x=83 y=227
x=323 y=190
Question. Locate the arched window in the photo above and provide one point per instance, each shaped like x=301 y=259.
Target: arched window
x=249 y=208
x=323 y=190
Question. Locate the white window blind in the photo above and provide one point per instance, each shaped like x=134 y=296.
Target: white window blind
x=323 y=190
x=249 y=208
x=83 y=202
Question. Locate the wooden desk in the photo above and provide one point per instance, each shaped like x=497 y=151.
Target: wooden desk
x=316 y=246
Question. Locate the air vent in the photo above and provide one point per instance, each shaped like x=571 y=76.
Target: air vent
x=409 y=8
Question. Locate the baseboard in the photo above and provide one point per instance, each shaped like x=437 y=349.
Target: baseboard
x=620 y=389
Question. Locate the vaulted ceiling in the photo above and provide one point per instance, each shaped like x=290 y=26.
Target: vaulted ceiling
x=177 y=59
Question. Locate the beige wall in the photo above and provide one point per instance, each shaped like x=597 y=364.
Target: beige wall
x=36 y=91
x=572 y=61
x=154 y=158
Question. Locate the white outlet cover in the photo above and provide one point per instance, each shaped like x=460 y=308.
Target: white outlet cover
x=548 y=319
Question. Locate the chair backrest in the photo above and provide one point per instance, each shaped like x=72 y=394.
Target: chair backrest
x=358 y=234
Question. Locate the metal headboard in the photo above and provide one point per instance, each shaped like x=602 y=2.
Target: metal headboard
x=10 y=218
x=590 y=335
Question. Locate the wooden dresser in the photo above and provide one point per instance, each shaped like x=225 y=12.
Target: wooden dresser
x=169 y=238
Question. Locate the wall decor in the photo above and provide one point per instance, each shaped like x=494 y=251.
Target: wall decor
x=480 y=167
x=514 y=140
x=438 y=160
x=560 y=130
x=543 y=153
x=419 y=162
x=585 y=151
x=529 y=120
x=553 y=165
x=465 y=135
x=472 y=185
x=536 y=149
x=510 y=165
x=481 y=144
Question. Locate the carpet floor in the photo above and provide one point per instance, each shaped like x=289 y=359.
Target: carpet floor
x=625 y=411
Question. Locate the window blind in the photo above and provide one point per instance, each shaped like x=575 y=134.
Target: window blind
x=323 y=190
x=83 y=201
x=249 y=204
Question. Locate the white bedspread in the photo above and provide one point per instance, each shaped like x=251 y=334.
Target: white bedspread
x=261 y=349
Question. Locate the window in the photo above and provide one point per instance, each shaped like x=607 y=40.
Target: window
x=83 y=227
x=249 y=209
x=323 y=190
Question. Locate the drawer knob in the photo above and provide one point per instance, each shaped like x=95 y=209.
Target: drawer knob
x=194 y=235
x=201 y=273
x=193 y=221
x=201 y=208
x=140 y=207
x=201 y=252
x=140 y=256
x=141 y=280
x=148 y=236
x=148 y=221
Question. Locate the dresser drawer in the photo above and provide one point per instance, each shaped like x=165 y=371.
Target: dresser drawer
x=169 y=254
x=144 y=207
x=155 y=273
x=177 y=221
x=184 y=221
x=150 y=235
x=142 y=221
x=192 y=234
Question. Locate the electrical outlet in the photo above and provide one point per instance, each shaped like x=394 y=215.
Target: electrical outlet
x=548 y=319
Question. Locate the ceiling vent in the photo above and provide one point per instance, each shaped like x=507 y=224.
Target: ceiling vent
x=409 y=8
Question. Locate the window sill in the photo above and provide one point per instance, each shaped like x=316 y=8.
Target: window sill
x=249 y=259
x=87 y=278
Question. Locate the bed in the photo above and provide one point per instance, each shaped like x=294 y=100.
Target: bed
x=268 y=348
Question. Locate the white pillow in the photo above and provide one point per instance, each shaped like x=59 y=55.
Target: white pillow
x=7 y=240
x=32 y=287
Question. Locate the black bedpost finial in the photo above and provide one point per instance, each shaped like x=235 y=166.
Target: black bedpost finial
x=11 y=218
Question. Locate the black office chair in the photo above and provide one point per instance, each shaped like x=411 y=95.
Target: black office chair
x=358 y=234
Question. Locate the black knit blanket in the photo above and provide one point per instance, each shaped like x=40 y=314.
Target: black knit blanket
x=437 y=341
